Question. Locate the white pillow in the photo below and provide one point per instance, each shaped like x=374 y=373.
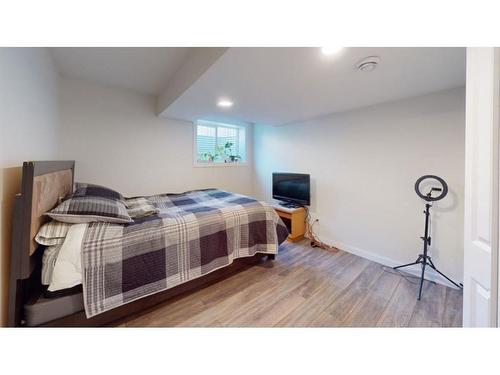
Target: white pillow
x=68 y=268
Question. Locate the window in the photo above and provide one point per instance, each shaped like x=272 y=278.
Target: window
x=218 y=143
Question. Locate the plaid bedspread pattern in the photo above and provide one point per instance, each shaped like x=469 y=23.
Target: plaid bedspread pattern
x=194 y=234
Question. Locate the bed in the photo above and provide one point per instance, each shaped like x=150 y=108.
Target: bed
x=193 y=239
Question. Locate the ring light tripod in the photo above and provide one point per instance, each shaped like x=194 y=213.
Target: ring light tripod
x=424 y=259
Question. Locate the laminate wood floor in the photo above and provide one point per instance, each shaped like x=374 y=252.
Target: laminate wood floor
x=308 y=287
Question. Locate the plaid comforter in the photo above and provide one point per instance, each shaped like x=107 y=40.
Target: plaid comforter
x=194 y=234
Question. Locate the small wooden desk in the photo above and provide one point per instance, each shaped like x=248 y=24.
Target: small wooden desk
x=294 y=219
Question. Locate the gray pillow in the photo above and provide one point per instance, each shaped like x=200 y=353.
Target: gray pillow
x=85 y=190
x=89 y=208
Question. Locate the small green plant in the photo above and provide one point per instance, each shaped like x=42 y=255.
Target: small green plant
x=207 y=157
x=228 y=153
x=222 y=152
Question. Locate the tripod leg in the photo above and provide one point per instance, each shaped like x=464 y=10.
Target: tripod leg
x=442 y=274
x=422 y=280
x=405 y=265
x=409 y=264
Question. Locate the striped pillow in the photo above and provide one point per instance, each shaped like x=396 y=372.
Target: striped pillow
x=49 y=262
x=140 y=207
x=85 y=190
x=52 y=233
x=88 y=209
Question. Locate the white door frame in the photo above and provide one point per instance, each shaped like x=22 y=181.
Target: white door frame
x=482 y=180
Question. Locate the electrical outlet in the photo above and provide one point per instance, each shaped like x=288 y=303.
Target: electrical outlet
x=313 y=218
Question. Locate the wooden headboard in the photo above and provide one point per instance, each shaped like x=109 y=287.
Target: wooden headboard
x=44 y=183
x=48 y=190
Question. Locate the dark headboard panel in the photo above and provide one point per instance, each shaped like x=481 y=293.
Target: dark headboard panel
x=43 y=184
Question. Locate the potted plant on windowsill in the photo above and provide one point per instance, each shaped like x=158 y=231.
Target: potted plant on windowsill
x=228 y=153
x=207 y=157
x=222 y=153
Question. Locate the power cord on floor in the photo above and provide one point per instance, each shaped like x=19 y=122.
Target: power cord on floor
x=315 y=241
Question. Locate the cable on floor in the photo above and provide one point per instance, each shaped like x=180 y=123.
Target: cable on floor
x=315 y=241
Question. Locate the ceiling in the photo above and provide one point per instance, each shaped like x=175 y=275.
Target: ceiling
x=267 y=85
x=283 y=85
x=143 y=70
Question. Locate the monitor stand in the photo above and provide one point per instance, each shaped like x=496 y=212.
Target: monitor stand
x=289 y=204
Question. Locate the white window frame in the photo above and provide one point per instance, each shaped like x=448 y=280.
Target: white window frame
x=196 y=163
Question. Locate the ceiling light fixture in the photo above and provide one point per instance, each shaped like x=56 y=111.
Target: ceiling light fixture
x=225 y=103
x=368 y=64
x=330 y=50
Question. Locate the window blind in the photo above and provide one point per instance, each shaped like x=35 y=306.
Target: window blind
x=205 y=141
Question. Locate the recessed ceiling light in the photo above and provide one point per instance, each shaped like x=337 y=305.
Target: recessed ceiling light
x=225 y=103
x=330 y=50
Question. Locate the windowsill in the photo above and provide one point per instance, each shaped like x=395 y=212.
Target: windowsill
x=217 y=165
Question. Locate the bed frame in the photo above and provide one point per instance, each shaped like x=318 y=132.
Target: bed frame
x=44 y=183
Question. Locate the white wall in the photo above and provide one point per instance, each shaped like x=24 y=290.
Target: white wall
x=118 y=140
x=363 y=166
x=29 y=114
x=29 y=130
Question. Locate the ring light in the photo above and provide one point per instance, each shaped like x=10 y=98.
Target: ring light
x=428 y=197
x=424 y=260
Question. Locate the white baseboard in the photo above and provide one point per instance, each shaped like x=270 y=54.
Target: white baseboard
x=430 y=274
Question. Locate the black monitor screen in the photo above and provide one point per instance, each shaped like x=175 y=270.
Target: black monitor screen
x=293 y=187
